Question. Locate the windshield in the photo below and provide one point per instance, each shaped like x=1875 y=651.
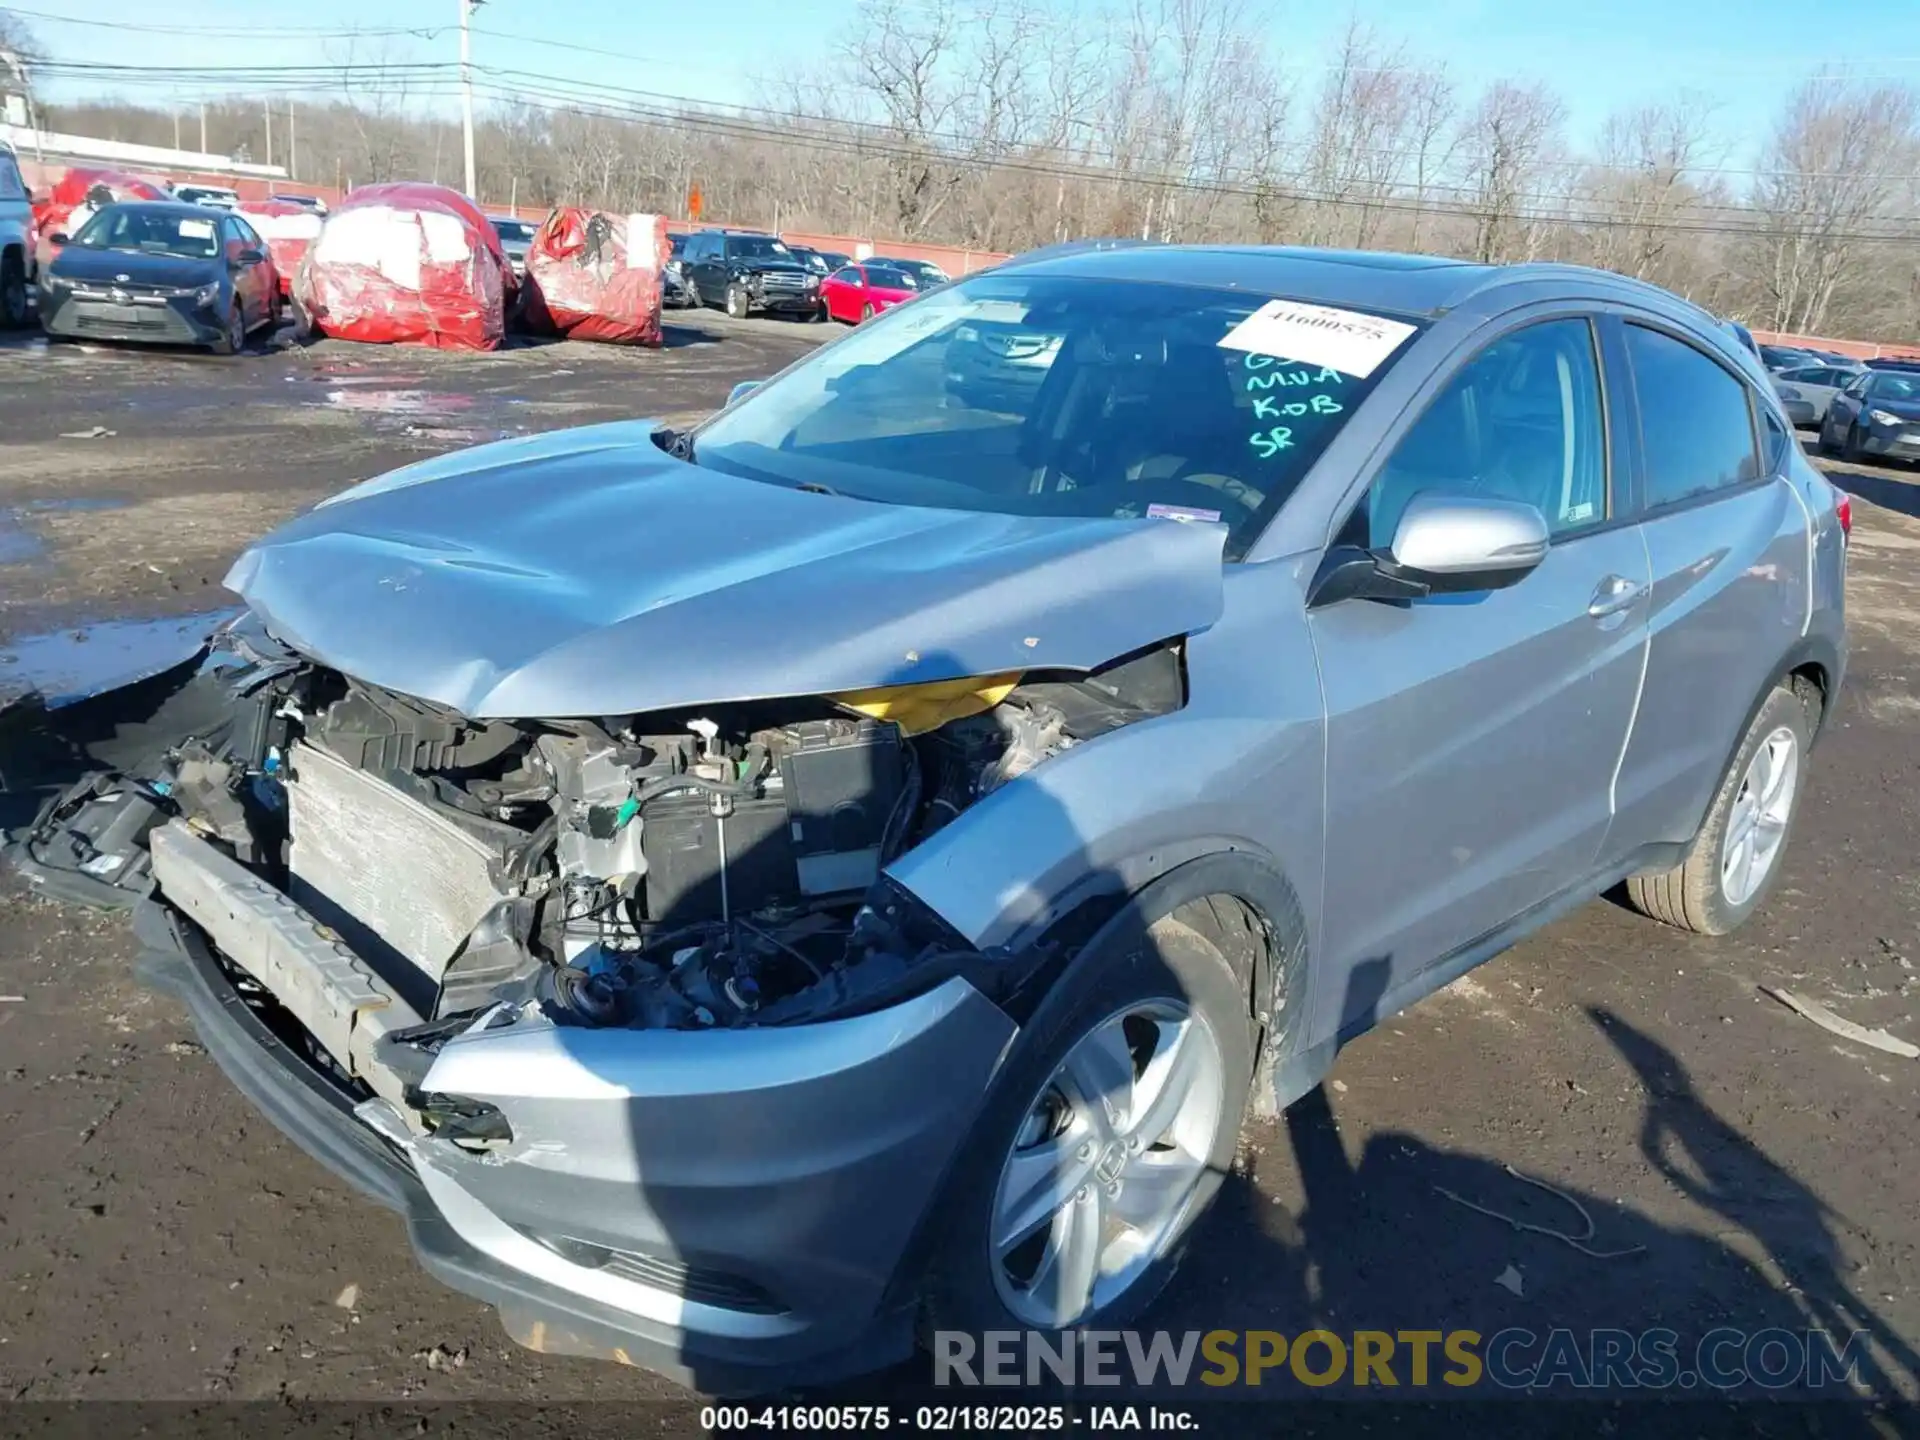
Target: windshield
x=150 y=232
x=1896 y=387
x=887 y=278
x=513 y=229
x=1047 y=395
x=757 y=247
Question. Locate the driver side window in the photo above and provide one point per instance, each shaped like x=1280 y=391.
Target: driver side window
x=1523 y=420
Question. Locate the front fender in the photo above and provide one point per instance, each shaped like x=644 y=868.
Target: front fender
x=1113 y=815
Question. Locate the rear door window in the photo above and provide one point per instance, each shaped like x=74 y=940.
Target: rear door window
x=1696 y=419
x=12 y=187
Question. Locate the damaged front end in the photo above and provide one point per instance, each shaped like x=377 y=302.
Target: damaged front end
x=634 y=996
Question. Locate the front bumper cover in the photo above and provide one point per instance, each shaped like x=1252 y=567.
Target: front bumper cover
x=178 y=322
x=798 y=1164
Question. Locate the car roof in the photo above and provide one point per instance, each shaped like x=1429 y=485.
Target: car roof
x=1381 y=281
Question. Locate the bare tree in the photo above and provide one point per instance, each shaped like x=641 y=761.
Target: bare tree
x=1642 y=184
x=1503 y=144
x=1840 y=160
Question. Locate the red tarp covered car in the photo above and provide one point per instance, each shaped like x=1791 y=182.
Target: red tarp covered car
x=289 y=231
x=593 y=276
x=406 y=263
x=54 y=215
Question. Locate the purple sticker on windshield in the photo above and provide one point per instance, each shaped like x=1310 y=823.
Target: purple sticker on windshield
x=1180 y=512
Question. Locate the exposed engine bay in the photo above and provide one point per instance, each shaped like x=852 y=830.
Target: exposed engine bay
x=713 y=868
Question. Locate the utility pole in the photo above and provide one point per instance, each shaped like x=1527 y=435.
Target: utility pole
x=466 y=92
x=203 y=127
x=176 y=127
x=266 y=113
x=293 y=147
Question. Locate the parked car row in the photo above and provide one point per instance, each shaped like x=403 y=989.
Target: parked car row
x=752 y=272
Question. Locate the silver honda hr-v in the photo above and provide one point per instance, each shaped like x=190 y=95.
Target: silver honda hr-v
x=749 y=895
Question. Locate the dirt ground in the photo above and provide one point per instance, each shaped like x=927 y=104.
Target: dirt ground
x=160 y=1241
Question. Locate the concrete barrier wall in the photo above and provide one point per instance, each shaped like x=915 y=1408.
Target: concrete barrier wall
x=1858 y=349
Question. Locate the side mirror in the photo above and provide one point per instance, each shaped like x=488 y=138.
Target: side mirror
x=249 y=256
x=59 y=237
x=1444 y=545
x=742 y=390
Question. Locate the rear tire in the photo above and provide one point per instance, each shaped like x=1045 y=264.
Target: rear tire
x=1173 y=994
x=1722 y=882
x=13 y=291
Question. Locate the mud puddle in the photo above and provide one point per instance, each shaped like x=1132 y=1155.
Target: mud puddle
x=19 y=545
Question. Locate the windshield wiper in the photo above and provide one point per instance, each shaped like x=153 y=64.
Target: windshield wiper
x=816 y=488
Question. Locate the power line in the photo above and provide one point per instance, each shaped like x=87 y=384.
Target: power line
x=130 y=74
x=432 y=78
x=750 y=130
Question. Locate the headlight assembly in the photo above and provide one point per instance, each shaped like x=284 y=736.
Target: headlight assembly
x=1882 y=417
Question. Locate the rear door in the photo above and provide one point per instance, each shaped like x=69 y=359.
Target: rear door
x=1727 y=538
x=1472 y=740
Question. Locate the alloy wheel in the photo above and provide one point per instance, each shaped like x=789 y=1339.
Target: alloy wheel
x=1757 y=824
x=1105 y=1166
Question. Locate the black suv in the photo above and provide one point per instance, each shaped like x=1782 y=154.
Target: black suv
x=748 y=271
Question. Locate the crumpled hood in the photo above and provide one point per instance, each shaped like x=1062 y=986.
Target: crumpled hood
x=587 y=573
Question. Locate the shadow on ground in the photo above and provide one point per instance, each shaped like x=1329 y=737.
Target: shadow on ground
x=1581 y=1305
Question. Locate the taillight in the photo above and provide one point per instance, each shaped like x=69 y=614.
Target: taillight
x=1843 y=508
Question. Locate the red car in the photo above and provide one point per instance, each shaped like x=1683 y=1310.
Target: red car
x=859 y=292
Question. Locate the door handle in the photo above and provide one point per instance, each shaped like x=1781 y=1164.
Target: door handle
x=1614 y=594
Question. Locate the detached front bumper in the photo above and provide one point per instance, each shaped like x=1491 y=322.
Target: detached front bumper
x=734 y=1208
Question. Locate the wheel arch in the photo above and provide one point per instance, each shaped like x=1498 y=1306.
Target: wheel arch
x=1812 y=670
x=1241 y=902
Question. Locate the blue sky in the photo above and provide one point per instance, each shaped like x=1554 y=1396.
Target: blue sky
x=1744 y=54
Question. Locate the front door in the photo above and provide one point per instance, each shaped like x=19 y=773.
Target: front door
x=1472 y=740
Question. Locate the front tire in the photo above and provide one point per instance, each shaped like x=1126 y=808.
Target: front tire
x=1107 y=1138
x=1736 y=858
x=1850 y=447
x=739 y=306
x=233 y=338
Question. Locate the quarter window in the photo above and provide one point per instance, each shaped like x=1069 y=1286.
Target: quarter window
x=1522 y=421
x=1696 y=422
x=1779 y=443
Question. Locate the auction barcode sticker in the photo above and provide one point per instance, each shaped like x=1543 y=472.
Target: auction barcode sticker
x=1347 y=340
